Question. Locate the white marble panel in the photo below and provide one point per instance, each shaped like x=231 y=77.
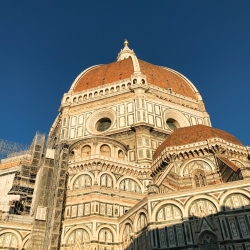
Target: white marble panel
x=132 y=155
x=122 y=121
x=80 y=119
x=122 y=109
x=102 y=208
x=79 y=131
x=87 y=209
x=74 y=211
x=158 y=121
x=157 y=110
x=72 y=133
x=62 y=133
x=130 y=107
x=151 y=119
x=73 y=121
x=109 y=210
x=80 y=210
x=130 y=119
x=150 y=108
x=154 y=144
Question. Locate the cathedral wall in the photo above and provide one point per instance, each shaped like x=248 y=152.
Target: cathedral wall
x=14 y=233
x=218 y=216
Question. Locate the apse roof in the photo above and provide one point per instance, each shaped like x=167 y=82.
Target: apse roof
x=193 y=134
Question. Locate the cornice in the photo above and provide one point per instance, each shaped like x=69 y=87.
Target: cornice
x=96 y=139
x=115 y=166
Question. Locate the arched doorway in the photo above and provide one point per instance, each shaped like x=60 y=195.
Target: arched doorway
x=208 y=241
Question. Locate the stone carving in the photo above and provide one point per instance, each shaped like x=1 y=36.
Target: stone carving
x=237 y=201
x=202 y=208
x=8 y=241
x=193 y=165
x=168 y=212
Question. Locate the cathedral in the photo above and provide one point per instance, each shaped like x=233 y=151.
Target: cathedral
x=131 y=162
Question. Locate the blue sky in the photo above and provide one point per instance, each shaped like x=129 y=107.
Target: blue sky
x=44 y=45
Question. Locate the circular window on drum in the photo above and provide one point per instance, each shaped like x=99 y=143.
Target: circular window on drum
x=103 y=124
x=172 y=124
x=101 y=121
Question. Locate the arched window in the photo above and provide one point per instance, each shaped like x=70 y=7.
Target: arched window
x=72 y=155
x=78 y=238
x=130 y=185
x=168 y=212
x=105 y=150
x=120 y=155
x=142 y=221
x=236 y=201
x=86 y=151
x=126 y=237
x=82 y=181
x=209 y=242
x=8 y=241
x=106 y=180
x=201 y=208
x=105 y=235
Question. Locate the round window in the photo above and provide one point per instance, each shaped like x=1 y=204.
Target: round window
x=103 y=124
x=172 y=124
x=100 y=121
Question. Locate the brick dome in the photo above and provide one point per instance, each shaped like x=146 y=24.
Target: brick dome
x=193 y=134
x=123 y=69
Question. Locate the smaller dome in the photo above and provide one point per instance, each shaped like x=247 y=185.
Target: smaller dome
x=193 y=134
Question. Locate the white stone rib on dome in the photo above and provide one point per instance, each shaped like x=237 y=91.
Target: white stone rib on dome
x=185 y=78
x=82 y=74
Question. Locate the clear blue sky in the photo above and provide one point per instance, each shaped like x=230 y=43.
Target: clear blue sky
x=44 y=45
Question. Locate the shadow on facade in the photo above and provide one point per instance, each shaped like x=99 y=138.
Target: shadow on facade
x=228 y=229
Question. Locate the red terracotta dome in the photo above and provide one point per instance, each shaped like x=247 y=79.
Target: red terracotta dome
x=123 y=69
x=104 y=74
x=193 y=134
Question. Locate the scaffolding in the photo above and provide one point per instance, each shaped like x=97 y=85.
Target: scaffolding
x=12 y=149
x=41 y=170
x=24 y=162
x=50 y=192
x=50 y=198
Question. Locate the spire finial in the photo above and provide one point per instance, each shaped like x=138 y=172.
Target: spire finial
x=125 y=43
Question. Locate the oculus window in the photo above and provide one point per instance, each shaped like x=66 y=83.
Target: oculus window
x=103 y=124
x=172 y=124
